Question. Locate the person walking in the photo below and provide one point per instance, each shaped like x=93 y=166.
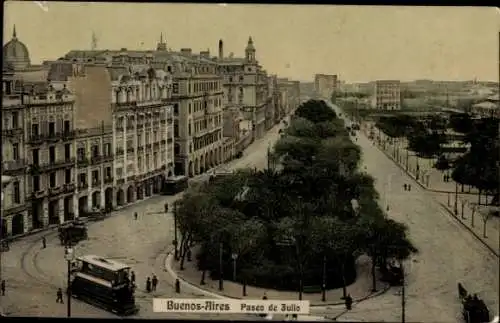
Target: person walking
x=409 y=187
x=3 y=287
x=59 y=298
x=44 y=243
x=148 y=285
x=135 y=215
x=132 y=277
x=154 y=282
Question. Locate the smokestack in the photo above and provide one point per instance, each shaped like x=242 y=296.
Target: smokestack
x=221 y=49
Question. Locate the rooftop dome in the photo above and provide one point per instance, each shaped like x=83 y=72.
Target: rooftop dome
x=15 y=53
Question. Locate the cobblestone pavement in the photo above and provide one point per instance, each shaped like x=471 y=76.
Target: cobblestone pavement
x=33 y=274
x=448 y=253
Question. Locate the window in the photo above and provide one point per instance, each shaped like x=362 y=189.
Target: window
x=16 y=193
x=15 y=151
x=52 y=179
x=35 y=154
x=119 y=172
x=52 y=154
x=67 y=176
x=67 y=151
x=67 y=126
x=139 y=139
x=176 y=108
x=147 y=138
x=139 y=163
x=189 y=129
x=155 y=136
x=108 y=172
x=34 y=129
x=15 y=120
x=176 y=130
x=189 y=108
x=36 y=183
x=155 y=160
x=95 y=151
x=175 y=88
x=82 y=179
x=95 y=177
x=130 y=144
x=80 y=153
x=52 y=128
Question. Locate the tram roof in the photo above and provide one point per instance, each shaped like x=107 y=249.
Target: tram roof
x=103 y=262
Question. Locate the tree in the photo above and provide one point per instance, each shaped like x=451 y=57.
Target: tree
x=315 y=111
x=426 y=144
x=461 y=122
x=442 y=163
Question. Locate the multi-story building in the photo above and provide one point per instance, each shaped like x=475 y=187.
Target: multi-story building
x=387 y=95
x=325 y=85
x=50 y=142
x=15 y=214
x=245 y=84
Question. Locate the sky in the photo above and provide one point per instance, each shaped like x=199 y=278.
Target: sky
x=359 y=43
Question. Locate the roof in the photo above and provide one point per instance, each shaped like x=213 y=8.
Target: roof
x=32 y=76
x=60 y=71
x=486 y=105
x=103 y=262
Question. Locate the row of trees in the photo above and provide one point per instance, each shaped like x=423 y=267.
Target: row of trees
x=283 y=227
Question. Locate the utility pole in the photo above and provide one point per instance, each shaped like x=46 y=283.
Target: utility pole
x=403 y=301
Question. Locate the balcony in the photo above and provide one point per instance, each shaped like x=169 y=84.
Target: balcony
x=140 y=148
x=35 y=139
x=83 y=185
x=131 y=178
x=96 y=182
x=53 y=137
x=108 y=180
x=12 y=132
x=130 y=150
x=53 y=191
x=163 y=141
x=107 y=158
x=163 y=121
x=148 y=146
x=120 y=181
x=94 y=160
x=119 y=151
x=15 y=209
x=68 y=135
x=82 y=162
x=170 y=140
x=38 y=194
x=12 y=167
x=69 y=188
x=156 y=144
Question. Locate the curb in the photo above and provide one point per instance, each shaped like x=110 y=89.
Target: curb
x=173 y=273
x=470 y=230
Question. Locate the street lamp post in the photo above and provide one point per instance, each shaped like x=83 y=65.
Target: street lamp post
x=176 y=241
x=323 y=287
x=234 y=256
x=221 y=276
x=455 y=209
x=69 y=256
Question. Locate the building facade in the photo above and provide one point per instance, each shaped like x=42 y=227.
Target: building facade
x=387 y=95
x=325 y=85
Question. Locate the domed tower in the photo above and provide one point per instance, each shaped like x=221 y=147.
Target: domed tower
x=250 y=51
x=15 y=54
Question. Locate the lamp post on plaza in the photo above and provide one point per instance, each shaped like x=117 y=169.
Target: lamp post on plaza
x=70 y=257
x=175 y=242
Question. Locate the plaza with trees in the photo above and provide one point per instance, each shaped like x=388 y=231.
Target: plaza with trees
x=300 y=224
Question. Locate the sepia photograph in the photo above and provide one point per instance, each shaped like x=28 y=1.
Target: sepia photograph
x=250 y=162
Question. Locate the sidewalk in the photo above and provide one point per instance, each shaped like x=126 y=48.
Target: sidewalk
x=471 y=216
x=360 y=290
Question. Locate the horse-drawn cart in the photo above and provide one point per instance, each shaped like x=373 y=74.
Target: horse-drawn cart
x=474 y=310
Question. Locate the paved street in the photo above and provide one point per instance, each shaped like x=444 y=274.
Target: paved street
x=34 y=274
x=448 y=253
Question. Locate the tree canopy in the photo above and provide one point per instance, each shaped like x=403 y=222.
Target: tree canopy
x=282 y=224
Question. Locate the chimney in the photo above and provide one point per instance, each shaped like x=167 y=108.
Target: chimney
x=186 y=51
x=221 y=49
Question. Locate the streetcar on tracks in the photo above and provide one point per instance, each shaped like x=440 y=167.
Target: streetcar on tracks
x=72 y=231
x=104 y=283
x=175 y=185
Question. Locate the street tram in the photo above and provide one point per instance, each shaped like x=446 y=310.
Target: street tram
x=72 y=231
x=104 y=283
x=175 y=185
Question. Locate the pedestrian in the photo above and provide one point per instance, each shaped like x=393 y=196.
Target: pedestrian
x=404 y=186
x=44 y=243
x=135 y=215
x=154 y=282
x=3 y=287
x=132 y=277
x=348 y=302
x=59 y=298
x=409 y=187
x=148 y=285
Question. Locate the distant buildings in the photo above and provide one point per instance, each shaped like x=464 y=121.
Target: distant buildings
x=387 y=95
x=325 y=85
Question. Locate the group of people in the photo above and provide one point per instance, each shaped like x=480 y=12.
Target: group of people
x=151 y=284
x=407 y=187
x=446 y=178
